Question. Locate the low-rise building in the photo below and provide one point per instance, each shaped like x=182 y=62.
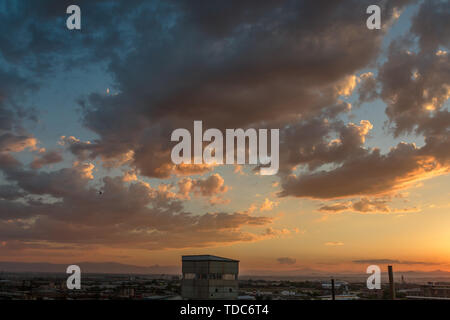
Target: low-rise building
x=209 y=277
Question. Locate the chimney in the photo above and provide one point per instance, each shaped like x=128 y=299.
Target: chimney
x=391 y=282
x=333 y=295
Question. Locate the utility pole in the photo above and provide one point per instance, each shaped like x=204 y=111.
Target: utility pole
x=333 y=295
x=391 y=282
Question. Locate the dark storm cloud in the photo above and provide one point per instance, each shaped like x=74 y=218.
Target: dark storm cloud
x=415 y=84
x=46 y=158
x=309 y=143
x=10 y=192
x=184 y=61
x=122 y=214
x=431 y=25
x=8 y=161
x=231 y=64
x=367 y=89
x=415 y=87
x=267 y=65
x=57 y=183
x=369 y=174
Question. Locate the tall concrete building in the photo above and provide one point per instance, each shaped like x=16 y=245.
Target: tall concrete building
x=209 y=277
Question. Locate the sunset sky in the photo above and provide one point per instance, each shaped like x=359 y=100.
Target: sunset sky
x=86 y=117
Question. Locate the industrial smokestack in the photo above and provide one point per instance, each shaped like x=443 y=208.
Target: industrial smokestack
x=333 y=295
x=391 y=282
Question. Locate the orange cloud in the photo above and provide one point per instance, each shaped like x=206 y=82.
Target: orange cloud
x=365 y=206
x=210 y=187
x=268 y=205
x=334 y=243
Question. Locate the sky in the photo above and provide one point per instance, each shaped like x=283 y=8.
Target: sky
x=86 y=118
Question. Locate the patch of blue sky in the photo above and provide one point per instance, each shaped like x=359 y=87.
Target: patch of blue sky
x=381 y=136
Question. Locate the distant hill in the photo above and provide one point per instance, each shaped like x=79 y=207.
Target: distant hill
x=311 y=274
x=293 y=274
x=87 y=267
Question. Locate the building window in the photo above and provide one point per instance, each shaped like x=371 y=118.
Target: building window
x=188 y=276
x=229 y=276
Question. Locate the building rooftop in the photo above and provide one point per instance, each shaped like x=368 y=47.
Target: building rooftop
x=206 y=257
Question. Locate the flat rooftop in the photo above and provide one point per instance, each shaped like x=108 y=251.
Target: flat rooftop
x=206 y=257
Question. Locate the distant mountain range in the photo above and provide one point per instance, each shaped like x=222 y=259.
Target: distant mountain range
x=293 y=274
x=314 y=272
x=87 y=267
x=311 y=274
